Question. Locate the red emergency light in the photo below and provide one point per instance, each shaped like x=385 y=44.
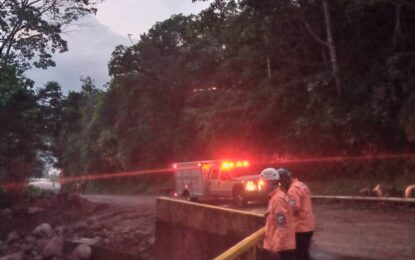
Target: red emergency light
x=226 y=165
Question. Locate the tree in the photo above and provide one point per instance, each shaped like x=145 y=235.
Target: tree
x=20 y=127
x=76 y=139
x=30 y=30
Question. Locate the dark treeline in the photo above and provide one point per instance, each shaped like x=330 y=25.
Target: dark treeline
x=250 y=78
x=254 y=78
x=31 y=120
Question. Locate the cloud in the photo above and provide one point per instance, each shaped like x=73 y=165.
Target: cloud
x=90 y=46
x=138 y=16
x=90 y=49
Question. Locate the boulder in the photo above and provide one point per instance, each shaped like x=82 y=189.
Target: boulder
x=7 y=213
x=27 y=247
x=60 y=230
x=367 y=191
x=384 y=190
x=82 y=251
x=30 y=239
x=33 y=210
x=43 y=230
x=80 y=226
x=14 y=256
x=41 y=243
x=410 y=191
x=53 y=248
x=87 y=241
x=91 y=221
x=12 y=237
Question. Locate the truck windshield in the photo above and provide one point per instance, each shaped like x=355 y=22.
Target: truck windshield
x=239 y=172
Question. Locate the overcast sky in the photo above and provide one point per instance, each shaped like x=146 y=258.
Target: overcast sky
x=91 y=45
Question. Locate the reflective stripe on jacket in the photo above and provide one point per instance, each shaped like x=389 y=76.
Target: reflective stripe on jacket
x=300 y=200
x=279 y=233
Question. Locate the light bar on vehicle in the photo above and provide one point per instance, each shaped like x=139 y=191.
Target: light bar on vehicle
x=226 y=165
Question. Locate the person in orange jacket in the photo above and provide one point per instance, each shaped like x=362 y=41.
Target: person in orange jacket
x=279 y=241
x=299 y=197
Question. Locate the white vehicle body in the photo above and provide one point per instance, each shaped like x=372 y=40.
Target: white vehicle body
x=201 y=180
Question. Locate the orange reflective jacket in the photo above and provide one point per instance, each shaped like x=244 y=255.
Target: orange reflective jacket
x=300 y=200
x=279 y=234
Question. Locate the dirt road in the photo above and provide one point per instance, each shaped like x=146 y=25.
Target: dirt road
x=354 y=231
x=366 y=231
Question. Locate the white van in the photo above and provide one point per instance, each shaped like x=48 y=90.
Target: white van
x=201 y=180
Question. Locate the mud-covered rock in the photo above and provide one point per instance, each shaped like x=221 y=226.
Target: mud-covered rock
x=80 y=226
x=60 y=231
x=82 y=251
x=27 y=247
x=91 y=221
x=43 y=230
x=34 y=210
x=385 y=190
x=6 y=213
x=12 y=237
x=53 y=248
x=41 y=243
x=88 y=241
x=367 y=191
x=30 y=239
x=410 y=191
x=14 y=256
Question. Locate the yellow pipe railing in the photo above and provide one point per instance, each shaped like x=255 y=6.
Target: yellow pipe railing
x=246 y=246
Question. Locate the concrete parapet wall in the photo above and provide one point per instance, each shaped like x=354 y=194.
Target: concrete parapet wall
x=187 y=230
x=212 y=219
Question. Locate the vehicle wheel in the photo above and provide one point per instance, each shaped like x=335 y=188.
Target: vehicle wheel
x=240 y=201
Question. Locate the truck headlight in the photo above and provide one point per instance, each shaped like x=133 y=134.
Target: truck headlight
x=250 y=186
x=261 y=184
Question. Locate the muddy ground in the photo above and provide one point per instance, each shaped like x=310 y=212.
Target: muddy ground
x=365 y=231
x=124 y=223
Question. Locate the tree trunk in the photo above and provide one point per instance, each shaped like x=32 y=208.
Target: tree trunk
x=331 y=46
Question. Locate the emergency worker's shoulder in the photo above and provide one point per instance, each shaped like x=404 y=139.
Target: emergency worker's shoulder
x=298 y=185
x=278 y=198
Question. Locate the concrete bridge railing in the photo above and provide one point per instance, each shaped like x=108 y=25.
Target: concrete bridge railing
x=187 y=230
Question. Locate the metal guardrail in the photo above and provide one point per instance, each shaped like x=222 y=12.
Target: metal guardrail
x=245 y=247
x=372 y=199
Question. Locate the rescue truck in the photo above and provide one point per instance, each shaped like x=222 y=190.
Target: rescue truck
x=201 y=180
